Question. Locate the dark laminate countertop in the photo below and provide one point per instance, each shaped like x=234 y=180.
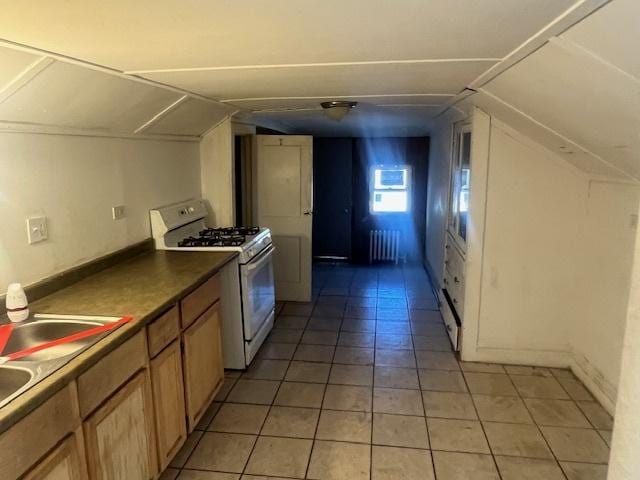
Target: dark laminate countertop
x=143 y=287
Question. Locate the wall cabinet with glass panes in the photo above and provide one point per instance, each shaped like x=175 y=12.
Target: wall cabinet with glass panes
x=453 y=288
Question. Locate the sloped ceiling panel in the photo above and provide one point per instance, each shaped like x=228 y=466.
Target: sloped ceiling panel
x=569 y=151
x=192 y=117
x=579 y=97
x=612 y=33
x=66 y=95
x=147 y=34
x=12 y=64
x=436 y=78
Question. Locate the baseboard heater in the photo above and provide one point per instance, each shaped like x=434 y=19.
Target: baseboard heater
x=384 y=245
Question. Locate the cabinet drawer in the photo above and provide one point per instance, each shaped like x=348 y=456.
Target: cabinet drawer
x=32 y=437
x=105 y=377
x=194 y=304
x=453 y=260
x=162 y=331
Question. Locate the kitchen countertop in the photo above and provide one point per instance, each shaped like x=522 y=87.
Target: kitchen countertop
x=143 y=287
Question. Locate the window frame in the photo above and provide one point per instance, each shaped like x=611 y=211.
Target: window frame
x=373 y=190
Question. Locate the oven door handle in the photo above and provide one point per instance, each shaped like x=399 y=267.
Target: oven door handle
x=261 y=259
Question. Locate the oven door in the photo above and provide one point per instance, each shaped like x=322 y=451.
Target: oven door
x=258 y=292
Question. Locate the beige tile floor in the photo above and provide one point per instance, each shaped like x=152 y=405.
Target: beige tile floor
x=361 y=383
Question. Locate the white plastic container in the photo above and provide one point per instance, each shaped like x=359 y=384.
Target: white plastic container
x=17 y=304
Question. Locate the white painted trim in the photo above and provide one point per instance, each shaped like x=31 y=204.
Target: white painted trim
x=602 y=390
x=381 y=95
x=217 y=124
x=554 y=132
x=605 y=392
x=312 y=65
x=24 y=77
x=575 y=48
x=515 y=356
x=153 y=120
x=13 y=127
x=574 y=14
x=474 y=258
x=103 y=69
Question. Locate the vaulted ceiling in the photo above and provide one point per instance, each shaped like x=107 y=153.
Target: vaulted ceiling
x=566 y=72
x=402 y=59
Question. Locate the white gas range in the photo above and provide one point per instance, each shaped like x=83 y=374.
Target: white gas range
x=248 y=309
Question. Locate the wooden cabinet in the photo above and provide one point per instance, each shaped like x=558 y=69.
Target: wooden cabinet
x=168 y=400
x=27 y=442
x=65 y=462
x=203 y=365
x=120 y=437
x=194 y=304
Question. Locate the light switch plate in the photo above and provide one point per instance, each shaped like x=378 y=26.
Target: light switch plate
x=37 y=229
x=118 y=212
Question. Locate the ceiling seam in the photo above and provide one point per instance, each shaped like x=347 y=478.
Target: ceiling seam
x=554 y=132
x=569 y=45
x=158 y=116
x=101 y=68
x=381 y=95
x=314 y=65
x=479 y=82
x=23 y=78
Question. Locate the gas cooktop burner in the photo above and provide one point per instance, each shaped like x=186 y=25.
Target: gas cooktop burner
x=230 y=231
x=217 y=240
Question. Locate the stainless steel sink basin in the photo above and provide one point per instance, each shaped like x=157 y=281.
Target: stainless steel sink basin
x=12 y=380
x=17 y=376
x=38 y=332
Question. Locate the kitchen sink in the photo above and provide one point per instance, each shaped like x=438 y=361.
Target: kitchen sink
x=19 y=374
x=12 y=380
x=38 y=332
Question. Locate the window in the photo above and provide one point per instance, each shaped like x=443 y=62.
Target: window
x=460 y=177
x=390 y=189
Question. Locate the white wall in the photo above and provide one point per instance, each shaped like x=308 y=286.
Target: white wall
x=74 y=181
x=555 y=260
x=624 y=463
x=526 y=300
x=608 y=235
x=218 y=178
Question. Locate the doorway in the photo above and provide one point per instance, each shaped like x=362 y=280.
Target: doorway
x=368 y=189
x=332 y=178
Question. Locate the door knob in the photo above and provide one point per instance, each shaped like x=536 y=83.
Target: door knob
x=307 y=212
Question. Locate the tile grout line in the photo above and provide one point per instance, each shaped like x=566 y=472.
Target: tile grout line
x=424 y=409
x=546 y=442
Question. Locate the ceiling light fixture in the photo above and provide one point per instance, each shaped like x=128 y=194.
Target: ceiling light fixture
x=337 y=110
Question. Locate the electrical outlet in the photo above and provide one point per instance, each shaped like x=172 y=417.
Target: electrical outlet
x=118 y=212
x=37 y=229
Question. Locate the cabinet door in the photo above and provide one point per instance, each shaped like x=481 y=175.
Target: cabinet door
x=120 y=435
x=168 y=401
x=65 y=462
x=203 y=367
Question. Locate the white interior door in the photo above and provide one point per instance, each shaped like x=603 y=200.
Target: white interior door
x=284 y=196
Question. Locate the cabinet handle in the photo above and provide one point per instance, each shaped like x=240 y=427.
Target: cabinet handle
x=448 y=326
x=455 y=301
x=455 y=279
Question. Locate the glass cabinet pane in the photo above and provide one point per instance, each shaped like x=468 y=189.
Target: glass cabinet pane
x=460 y=178
x=463 y=193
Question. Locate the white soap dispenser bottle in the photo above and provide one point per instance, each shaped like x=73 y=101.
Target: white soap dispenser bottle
x=17 y=305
